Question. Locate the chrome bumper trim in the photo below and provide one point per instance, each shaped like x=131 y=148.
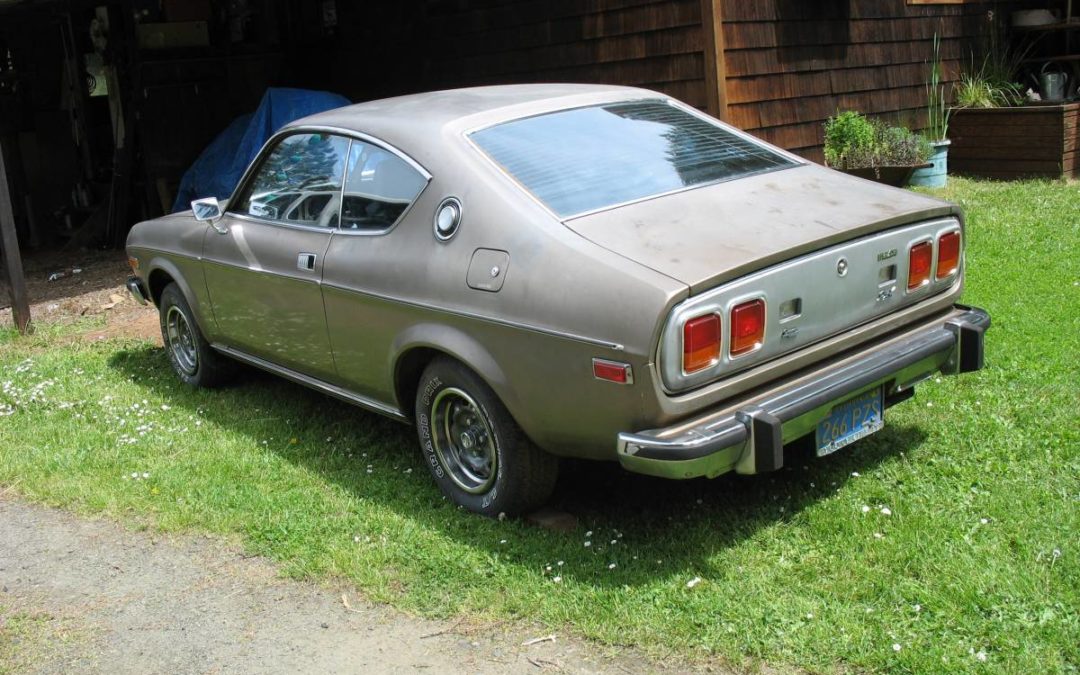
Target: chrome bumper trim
x=750 y=438
x=134 y=284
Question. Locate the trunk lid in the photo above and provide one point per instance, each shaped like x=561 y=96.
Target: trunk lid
x=706 y=236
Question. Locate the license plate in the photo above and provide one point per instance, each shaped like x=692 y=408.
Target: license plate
x=850 y=421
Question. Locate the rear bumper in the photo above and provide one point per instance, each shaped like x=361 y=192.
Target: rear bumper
x=749 y=437
x=134 y=284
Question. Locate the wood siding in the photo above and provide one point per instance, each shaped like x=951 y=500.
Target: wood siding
x=658 y=45
x=791 y=64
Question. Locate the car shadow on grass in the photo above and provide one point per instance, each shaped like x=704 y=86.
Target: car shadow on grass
x=659 y=527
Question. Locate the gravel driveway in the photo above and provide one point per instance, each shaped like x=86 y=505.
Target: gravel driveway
x=81 y=595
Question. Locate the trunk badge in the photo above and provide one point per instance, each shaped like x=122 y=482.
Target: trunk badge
x=842 y=267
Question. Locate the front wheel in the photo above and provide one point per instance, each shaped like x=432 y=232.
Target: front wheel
x=477 y=454
x=194 y=360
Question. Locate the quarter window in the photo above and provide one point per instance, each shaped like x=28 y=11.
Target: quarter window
x=299 y=182
x=379 y=187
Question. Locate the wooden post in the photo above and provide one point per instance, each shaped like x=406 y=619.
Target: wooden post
x=20 y=303
x=712 y=23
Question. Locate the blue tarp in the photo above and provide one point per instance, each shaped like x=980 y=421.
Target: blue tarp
x=219 y=167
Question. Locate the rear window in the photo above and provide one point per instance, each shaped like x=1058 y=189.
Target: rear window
x=587 y=159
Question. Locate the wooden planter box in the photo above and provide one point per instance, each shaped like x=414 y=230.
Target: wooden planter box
x=1033 y=140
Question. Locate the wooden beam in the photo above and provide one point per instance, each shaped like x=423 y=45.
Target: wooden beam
x=712 y=21
x=20 y=303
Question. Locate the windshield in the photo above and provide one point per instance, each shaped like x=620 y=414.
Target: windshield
x=586 y=159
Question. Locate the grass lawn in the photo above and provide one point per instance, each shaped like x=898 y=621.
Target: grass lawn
x=947 y=542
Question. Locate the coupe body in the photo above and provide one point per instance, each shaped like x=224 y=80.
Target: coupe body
x=540 y=271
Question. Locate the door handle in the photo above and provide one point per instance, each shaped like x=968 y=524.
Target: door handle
x=305 y=262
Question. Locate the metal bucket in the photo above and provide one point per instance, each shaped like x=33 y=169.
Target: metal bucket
x=936 y=174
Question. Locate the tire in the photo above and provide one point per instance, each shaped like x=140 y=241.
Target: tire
x=476 y=453
x=193 y=359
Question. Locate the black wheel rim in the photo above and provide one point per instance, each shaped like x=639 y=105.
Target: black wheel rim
x=181 y=341
x=464 y=443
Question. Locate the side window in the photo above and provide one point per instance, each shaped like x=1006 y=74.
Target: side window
x=299 y=182
x=379 y=187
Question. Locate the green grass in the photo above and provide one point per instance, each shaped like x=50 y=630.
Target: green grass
x=974 y=569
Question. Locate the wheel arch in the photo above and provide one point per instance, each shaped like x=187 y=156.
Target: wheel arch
x=163 y=272
x=421 y=344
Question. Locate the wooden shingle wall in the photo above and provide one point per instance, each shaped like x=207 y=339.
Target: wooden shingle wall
x=792 y=63
x=658 y=45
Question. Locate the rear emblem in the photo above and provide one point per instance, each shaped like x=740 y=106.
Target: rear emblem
x=841 y=267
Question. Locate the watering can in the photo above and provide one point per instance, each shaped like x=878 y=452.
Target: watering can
x=1053 y=85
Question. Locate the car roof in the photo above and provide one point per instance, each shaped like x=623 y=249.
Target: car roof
x=418 y=119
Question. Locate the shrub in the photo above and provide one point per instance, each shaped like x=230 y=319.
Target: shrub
x=854 y=142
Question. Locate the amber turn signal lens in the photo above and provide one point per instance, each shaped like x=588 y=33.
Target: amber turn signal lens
x=919 y=259
x=948 y=254
x=747 y=327
x=133 y=263
x=701 y=343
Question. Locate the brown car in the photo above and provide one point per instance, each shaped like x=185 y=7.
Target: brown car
x=542 y=271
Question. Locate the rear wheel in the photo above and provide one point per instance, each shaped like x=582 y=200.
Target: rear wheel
x=475 y=451
x=194 y=360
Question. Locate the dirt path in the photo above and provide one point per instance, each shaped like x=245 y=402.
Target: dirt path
x=88 y=596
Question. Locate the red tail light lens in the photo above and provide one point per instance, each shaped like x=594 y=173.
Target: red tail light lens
x=948 y=254
x=701 y=343
x=747 y=326
x=919 y=260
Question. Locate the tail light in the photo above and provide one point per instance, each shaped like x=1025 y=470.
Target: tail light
x=701 y=343
x=948 y=256
x=920 y=258
x=747 y=326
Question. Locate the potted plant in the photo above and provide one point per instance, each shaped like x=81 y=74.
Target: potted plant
x=937 y=130
x=872 y=149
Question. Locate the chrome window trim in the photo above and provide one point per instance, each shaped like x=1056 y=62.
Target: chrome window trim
x=795 y=159
x=351 y=136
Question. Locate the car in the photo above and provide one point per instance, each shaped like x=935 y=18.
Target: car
x=535 y=272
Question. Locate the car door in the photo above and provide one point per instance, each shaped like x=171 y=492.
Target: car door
x=370 y=259
x=263 y=261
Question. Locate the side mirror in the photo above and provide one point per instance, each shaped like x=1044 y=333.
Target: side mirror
x=206 y=209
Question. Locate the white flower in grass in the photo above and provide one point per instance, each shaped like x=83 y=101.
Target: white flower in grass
x=611 y=566
x=557 y=580
x=589 y=533
x=854 y=474
x=918 y=608
x=984 y=521
x=693 y=582
x=809 y=615
x=896 y=646
x=502 y=541
x=885 y=511
x=980 y=655
x=878 y=535
x=588 y=544
x=865 y=509
x=560 y=563
x=145 y=475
